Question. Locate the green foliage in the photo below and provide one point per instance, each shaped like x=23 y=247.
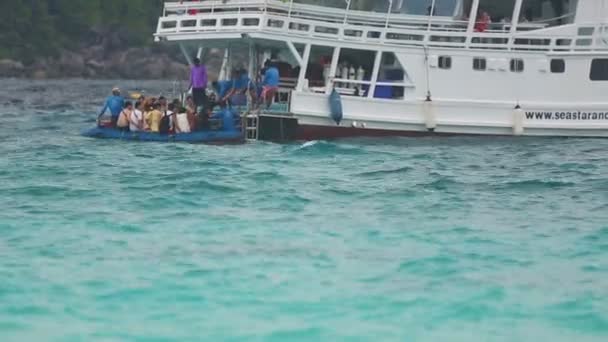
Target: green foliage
x=33 y=28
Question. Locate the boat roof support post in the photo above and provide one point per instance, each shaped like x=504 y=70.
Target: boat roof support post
x=186 y=54
x=333 y=70
x=304 y=67
x=251 y=62
x=472 y=20
x=375 y=72
x=458 y=9
x=515 y=16
x=347 y=9
x=295 y=53
x=199 y=53
x=388 y=15
x=224 y=69
x=431 y=14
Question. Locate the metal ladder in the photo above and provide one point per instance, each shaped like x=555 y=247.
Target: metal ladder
x=252 y=122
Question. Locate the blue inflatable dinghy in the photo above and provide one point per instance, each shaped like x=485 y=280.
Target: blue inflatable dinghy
x=205 y=137
x=225 y=129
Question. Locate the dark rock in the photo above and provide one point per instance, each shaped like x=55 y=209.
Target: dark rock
x=70 y=64
x=95 y=65
x=11 y=68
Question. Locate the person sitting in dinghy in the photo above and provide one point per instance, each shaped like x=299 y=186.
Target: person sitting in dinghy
x=115 y=103
x=136 y=121
x=182 y=121
x=153 y=117
x=124 y=118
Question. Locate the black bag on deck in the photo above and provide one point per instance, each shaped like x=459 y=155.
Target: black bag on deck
x=165 y=122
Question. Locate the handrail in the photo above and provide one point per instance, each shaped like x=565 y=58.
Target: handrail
x=295 y=10
x=369 y=29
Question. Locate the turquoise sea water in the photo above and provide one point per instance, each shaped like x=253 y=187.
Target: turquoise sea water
x=434 y=239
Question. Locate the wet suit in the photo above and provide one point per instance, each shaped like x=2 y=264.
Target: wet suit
x=115 y=104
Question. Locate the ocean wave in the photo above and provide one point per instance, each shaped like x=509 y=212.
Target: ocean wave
x=535 y=184
x=374 y=173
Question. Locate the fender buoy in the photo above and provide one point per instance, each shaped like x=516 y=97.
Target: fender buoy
x=335 y=104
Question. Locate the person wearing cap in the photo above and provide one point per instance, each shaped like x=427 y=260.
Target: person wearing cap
x=115 y=103
x=198 y=82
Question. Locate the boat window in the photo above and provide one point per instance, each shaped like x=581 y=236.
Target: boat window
x=402 y=36
x=421 y=7
x=599 y=69
x=584 y=42
x=480 y=64
x=558 y=66
x=448 y=39
x=391 y=78
x=585 y=31
x=169 y=24
x=521 y=41
x=188 y=23
x=299 y=27
x=373 y=34
x=563 y=42
x=537 y=14
x=356 y=65
x=353 y=33
x=208 y=22
x=319 y=65
x=275 y=23
x=230 y=22
x=517 y=65
x=326 y=30
x=445 y=62
x=251 y=22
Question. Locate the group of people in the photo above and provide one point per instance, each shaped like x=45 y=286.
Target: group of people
x=157 y=115
x=240 y=86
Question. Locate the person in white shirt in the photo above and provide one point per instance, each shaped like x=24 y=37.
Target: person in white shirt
x=183 y=124
x=136 y=119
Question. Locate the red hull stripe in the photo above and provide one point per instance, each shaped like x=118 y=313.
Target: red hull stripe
x=309 y=132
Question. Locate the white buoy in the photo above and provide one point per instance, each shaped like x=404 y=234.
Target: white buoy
x=430 y=119
x=355 y=124
x=518 y=121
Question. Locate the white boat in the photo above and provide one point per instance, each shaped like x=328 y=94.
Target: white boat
x=541 y=71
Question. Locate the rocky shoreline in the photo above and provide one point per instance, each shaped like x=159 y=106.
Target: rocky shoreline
x=97 y=62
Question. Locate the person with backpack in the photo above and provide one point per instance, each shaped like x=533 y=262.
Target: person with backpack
x=167 y=123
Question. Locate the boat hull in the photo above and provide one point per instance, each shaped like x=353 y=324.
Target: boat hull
x=377 y=117
x=203 y=137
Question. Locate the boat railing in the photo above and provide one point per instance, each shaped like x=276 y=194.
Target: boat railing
x=242 y=17
x=304 y=11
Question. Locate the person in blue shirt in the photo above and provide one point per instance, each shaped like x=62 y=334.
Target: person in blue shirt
x=223 y=89
x=115 y=103
x=270 y=83
x=240 y=85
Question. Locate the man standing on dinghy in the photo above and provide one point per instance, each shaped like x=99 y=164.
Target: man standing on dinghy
x=198 y=82
x=115 y=104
